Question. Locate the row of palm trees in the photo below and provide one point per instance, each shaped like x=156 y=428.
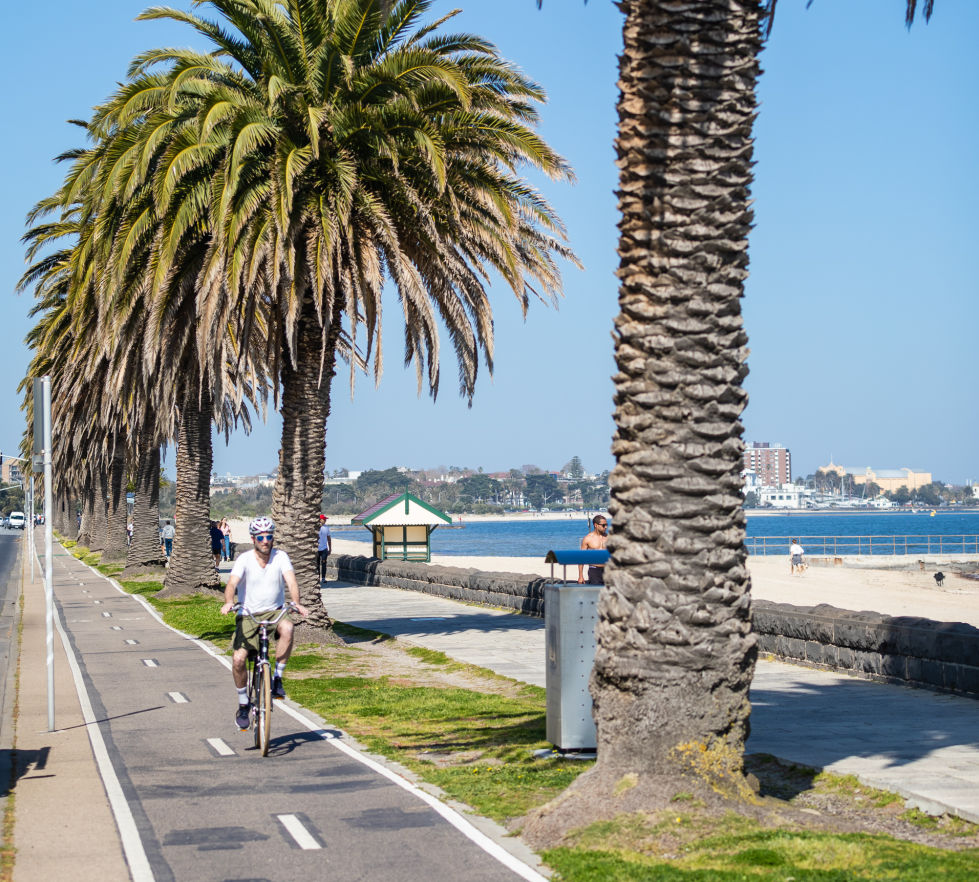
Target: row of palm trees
x=225 y=237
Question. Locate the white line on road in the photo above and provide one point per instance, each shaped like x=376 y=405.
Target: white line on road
x=151 y=663
x=96 y=601
x=178 y=698
x=117 y=627
x=132 y=642
x=106 y=615
x=220 y=747
x=294 y=827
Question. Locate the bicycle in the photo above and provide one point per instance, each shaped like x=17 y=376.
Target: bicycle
x=260 y=677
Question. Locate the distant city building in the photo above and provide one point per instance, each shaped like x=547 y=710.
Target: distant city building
x=11 y=473
x=888 y=480
x=771 y=463
x=787 y=496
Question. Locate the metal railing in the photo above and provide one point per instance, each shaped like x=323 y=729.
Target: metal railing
x=839 y=545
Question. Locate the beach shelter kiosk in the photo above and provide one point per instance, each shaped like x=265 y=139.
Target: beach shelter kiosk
x=402 y=527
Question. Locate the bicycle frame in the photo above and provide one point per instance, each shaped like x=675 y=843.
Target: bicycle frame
x=259 y=675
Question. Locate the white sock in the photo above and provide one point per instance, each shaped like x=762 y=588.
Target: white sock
x=280 y=669
x=242 y=695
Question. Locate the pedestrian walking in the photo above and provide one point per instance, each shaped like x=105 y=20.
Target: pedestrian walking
x=324 y=546
x=796 y=563
x=226 y=542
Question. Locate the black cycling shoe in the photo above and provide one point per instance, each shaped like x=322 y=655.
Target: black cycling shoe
x=277 y=690
x=243 y=716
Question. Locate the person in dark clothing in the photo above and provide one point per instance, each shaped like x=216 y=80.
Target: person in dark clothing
x=217 y=545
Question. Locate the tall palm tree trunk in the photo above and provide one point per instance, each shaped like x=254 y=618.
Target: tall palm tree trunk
x=192 y=564
x=114 y=548
x=100 y=514
x=675 y=654
x=144 y=550
x=298 y=495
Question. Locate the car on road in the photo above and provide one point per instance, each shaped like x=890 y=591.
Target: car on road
x=16 y=520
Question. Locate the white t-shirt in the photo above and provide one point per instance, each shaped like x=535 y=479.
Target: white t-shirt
x=324 y=542
x=796 y=549
x=261 y=588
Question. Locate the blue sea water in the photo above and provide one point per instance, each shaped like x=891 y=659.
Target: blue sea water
x=864 y=533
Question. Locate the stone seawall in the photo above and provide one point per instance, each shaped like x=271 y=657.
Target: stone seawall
x=942 y=655
x=521 y=592
x=921 y=652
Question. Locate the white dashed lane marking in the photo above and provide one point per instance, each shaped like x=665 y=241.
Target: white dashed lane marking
x=151 y=663
x=220 y=747
x=294 y=827
x=178 y=698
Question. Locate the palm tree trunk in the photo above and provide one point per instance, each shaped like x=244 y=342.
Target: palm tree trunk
x=144 y=550
x=298 y=495
x=114 y=548
x=675 y=653
x=69 y=507
x=192 y=564
x=100 y=517
x=90 y=511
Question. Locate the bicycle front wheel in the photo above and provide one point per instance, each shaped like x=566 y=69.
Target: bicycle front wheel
x=263 y=710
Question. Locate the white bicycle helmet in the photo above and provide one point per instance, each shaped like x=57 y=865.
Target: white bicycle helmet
x=261 y=524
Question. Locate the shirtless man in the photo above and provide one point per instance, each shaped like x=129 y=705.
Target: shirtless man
x=594 y=541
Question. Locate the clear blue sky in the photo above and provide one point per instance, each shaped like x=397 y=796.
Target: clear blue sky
x=861 y=309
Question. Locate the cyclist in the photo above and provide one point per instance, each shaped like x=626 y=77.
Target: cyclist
x=260 y=576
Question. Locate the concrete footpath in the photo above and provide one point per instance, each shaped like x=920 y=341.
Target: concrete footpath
x=923 y=745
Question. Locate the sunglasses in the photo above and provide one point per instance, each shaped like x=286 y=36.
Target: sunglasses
x=263 y=537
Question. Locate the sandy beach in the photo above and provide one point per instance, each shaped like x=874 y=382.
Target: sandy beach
x=892 y=592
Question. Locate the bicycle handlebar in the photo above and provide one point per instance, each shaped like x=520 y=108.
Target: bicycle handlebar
x=238 y=608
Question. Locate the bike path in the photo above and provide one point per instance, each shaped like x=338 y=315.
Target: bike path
x=194 y=800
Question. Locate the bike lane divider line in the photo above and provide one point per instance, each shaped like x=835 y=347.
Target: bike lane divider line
x=132 y=844
x=151 y=662
x=131 y=642
x=178 y=698
x=220 y=747
x=450 y=815
x=297 y=830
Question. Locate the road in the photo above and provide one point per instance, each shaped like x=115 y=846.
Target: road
x=9 y=582
x=202 y=803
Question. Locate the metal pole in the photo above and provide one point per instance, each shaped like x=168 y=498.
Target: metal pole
x=48 y=543
x=33 y=547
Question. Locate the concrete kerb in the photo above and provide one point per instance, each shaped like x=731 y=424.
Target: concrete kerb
x=494 y=839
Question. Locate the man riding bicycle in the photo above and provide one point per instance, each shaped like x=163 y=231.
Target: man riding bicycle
x=260 y=576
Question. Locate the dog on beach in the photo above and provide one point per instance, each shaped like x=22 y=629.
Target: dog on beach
x=940 y=578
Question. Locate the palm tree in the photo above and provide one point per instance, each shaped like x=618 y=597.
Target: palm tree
x=341 y=148
x=675 y=653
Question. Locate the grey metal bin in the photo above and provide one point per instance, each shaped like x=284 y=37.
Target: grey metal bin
x=570 y=616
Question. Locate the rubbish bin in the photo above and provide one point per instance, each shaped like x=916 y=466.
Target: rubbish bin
x=570 y=616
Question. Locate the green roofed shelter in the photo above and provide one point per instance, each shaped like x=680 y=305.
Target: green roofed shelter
x=402 y=527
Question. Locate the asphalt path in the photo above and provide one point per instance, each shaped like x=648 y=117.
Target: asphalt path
x=9 y=591
x=203 y=804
